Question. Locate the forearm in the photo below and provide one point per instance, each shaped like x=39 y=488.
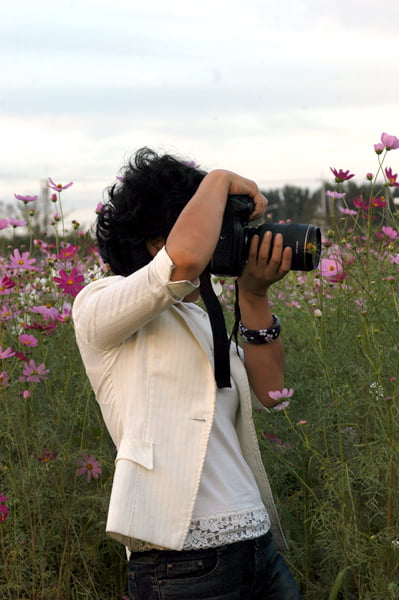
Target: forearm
x=194 y=236
x=264 y=362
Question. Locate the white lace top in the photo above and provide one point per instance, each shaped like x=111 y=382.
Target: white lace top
x=228 y=506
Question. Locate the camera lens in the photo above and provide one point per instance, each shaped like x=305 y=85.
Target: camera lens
x=304 y=239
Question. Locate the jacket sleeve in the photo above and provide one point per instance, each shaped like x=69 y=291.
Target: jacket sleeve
x=108 y=311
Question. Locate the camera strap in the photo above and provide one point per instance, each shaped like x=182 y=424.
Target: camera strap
x=220 y=340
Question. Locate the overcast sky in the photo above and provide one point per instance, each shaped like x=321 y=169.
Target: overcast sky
x=277 y=91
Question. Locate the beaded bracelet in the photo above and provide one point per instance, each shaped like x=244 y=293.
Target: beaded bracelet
x=260 y=336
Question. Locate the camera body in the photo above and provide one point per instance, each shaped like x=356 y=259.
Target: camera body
x=231 y=253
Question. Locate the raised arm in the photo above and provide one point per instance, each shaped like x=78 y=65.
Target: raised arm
x=193 y=238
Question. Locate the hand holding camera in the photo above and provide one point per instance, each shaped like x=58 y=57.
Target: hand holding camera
x=232 y=251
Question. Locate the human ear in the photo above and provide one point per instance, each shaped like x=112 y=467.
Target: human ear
x=154 y=246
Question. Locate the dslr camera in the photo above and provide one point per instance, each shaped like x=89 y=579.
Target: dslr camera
x=231 y=253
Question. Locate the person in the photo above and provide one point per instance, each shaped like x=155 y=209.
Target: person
x=190 y=496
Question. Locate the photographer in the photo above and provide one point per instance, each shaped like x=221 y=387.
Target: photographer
x=190 y=497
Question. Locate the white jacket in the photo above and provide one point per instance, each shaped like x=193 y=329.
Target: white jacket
x=155 y=385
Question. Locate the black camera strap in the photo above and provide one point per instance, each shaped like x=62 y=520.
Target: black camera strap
x=220 y=340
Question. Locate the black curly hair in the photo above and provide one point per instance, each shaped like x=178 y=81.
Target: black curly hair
x=144 y=206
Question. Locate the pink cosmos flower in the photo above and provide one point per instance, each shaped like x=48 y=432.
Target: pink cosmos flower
x=3 y=379
x=28 y=340
x=391 y=142
x=70 y=283
x=391 y=233
x=89 y=466
x=330 y=267
x=280 y=394
x=341 y=175
x=22 y=261
x=3 y=223
x=26 y=394
x=34 y=373
x=65 y=315
x=26 y=198
x=335 y=195
x=7 y=353
x=6 y=312
x=99 y=208
x=48 y=312
x=58 y=187
x=348 y=211
x=394 y=259
x=392 y=177
x=16 y=222
x=369 y=176
x=379 y=148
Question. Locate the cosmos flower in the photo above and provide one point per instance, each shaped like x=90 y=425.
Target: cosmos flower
x=34 y=373
x=16 y=222
x=391 y=142
x=341 y=175
x=6 y=284
x=335 y=195
x=331 y=267
x=22 y=261
x=89 y=466
x=26 y=198
x=28 y=340
x=70 y=283
x=3 y=508
x=392 y=177
x=47 y=311
x=47 y=455
x=58 y=187
x=7 y=353
x=390 y=232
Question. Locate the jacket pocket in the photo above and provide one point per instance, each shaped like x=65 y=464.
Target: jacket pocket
x=137 y=451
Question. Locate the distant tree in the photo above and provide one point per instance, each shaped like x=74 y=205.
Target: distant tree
x=291 y=202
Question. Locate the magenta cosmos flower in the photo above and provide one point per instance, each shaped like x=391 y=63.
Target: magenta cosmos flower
x=70 y=283
x=392 y=177
x=341 y=175
x=58 y=187
x=3 y=508
x=391 y=142
x=89 y=466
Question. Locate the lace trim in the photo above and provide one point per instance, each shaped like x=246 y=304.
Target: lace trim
x=220 y=529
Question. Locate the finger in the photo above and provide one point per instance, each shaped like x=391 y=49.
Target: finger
x=260 y=204
x=277 y=251
x=286 y=260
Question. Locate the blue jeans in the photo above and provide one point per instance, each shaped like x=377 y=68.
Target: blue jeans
x=248 y=570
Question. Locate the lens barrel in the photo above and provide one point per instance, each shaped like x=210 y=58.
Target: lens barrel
x=304 y=239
